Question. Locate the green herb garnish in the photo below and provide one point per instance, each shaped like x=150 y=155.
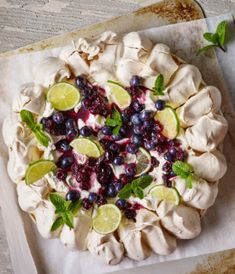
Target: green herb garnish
x=136 y=187
x=115 y=121
x=65 y=211
x=217 y=39
x=27 y=117
x=184 y=170
x=158 y=85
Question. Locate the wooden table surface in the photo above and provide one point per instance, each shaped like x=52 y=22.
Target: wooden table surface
x=23 y=22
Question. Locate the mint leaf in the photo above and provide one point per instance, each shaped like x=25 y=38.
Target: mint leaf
x=201 y=50
x=145 y=181
x=110 y=122
x=222 y=31
x=189 y=181
x=57 y=223
x=211 y=37
x=125 y=192
x=218 y=38
x=183 y=170
x=179 y=167
x=139 y=192
x=58 y=201
x=68 y=218
x=159 y=85
x=42 y=137
x=115 y=121
x=73 y=207
x=27 y=117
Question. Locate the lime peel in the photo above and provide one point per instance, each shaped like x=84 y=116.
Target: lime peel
x=87 y=147
x=163 y=193
x=38 y=169
x=107 y=219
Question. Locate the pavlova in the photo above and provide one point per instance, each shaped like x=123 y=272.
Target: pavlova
x=115 y=147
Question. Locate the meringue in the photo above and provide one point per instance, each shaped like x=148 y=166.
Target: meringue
x=185 y=83
x=184 y=222
x=206 y=100
x=105 y=246
x=202 y=195
x=210 y=166
x=207 y=133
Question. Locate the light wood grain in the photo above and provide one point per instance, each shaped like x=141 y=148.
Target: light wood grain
x=24 y=22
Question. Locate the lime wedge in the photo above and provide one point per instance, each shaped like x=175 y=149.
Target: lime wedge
x=107 y=219
x=161 y=192
x=63 y=96
x=119 y=95
x=87 y=147
x=170 y=122
x=143 y=161
x=38 y=169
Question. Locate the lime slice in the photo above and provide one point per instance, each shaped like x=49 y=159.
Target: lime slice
x=170 y=122
x=63 y=96
x=119 y=95
x=107 y=219
x=38 y=169
x=143 y=161
x=161 y=192
x=87 y=147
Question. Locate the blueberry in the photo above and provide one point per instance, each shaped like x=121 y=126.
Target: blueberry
x=131 y=148
x=58 y=118
x=44 y=121
x=145 y=115
x=114 y=147
x=80 y=81
x=150 y=145
x=92 y=197
x=66 y=161
x=118 y=185
x=121 y=203
x=106 y=130
x=70 y=123
x=139 y=130
x=63 y=145
x=135 y=80
x=147 y=124
x=135 y=119
x=137 y=106
x=123 y=130
x=117 y=137
x=72 y=195
x=109 y=156
x=111 y=190
x=168 y=157
x=172 y=151
x=160 y=104
x=125 y=179
x=130 y=169
x=125 y=117
x=136 y=139
x=85 y=131
x=71 y=133
x=48 y=124
x=119 y=160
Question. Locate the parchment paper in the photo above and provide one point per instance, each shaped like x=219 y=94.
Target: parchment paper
x=31 y=253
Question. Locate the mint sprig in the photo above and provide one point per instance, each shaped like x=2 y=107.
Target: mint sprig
x=218 y=39
x=184 y=170
x=65 y=211
x=158 y=85
x=27 y=117
x=114 y=121
x=136 y=187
